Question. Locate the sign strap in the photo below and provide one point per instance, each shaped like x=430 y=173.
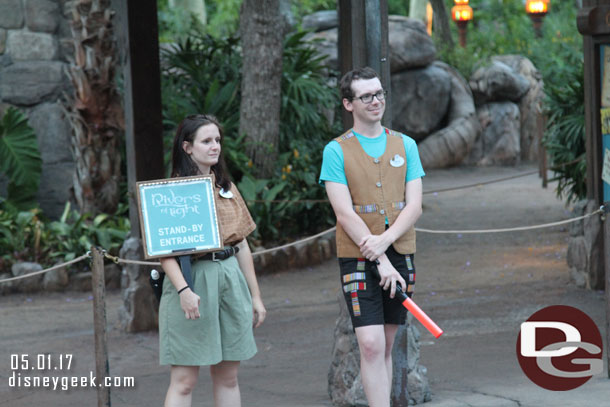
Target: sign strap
x=185 y=266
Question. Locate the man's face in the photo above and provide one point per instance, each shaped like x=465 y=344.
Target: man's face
x=365 y=113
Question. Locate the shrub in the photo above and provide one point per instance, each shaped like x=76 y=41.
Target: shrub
x=19 y=159
x=29 y=236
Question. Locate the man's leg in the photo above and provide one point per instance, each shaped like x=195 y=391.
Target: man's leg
x=373 y=368
x=390 y=334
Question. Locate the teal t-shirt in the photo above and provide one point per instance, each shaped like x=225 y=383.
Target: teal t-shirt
x=332 y=159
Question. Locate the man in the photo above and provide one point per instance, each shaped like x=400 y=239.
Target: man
x=372 y=177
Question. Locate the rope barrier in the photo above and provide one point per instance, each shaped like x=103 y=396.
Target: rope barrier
x=58 y=266
x=294 y=243
x=515 y=229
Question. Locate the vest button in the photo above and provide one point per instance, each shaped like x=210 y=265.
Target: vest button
x=382 y=211
x=378 y=184
x=376 y=160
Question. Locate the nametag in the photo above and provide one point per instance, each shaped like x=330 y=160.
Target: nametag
x=397 y=161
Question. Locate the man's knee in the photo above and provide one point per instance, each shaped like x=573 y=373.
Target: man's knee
x=371 y=347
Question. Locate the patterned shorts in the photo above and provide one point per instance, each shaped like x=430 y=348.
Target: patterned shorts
x=367 y=301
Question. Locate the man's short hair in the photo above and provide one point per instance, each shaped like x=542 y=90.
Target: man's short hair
x=353 y=75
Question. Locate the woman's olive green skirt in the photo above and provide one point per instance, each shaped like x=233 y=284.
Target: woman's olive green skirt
x=224 y=330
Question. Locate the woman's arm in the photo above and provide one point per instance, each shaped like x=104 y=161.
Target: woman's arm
x=246 y=264
x=189 y=301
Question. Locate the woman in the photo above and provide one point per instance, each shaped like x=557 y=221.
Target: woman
x=211 y=322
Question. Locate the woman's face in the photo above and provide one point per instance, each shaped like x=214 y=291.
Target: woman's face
x=205 y=148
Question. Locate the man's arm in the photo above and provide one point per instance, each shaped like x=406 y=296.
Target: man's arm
x=341 y=201
x=373 y=246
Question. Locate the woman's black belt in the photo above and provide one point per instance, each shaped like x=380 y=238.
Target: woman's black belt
x=219 y=255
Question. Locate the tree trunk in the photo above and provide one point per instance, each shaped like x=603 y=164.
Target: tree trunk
x=441 y=22
x=259 y=115
x=418 y=10
x=96 y=113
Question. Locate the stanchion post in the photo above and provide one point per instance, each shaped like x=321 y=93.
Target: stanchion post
x=98 y=285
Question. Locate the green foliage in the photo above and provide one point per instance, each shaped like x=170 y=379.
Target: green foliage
x=201 y=73
x=223 y=17
x=20 y=236
x=19 y=158
x=28 y=236
x=74 y=233
x=400 y=7
x=503 y=27
x=175 y=22
x=565 y=134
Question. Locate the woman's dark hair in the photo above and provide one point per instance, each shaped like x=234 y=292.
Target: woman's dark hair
x=182 y=164
x=345 y=84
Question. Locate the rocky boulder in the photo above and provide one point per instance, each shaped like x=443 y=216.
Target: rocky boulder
x=409 y=43
x=499 y=142
x=451 y=144
x=497 y=82
x=321 y=20
x=530 y=105
x=420 y=99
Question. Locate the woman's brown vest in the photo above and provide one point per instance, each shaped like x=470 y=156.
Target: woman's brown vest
x=377 y=189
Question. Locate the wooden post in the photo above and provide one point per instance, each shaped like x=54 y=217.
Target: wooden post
x=363 y=41
x=98 y=285
x=138 y=38
x=593 y=23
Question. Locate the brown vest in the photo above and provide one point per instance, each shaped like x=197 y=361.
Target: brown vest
x=377 y=189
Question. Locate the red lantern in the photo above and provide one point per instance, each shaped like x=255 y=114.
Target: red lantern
x=537 y=9
x=461 y=13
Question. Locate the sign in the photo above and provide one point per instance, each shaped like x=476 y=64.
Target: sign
x=560 y=348
x=178 y=216
x=606 y=167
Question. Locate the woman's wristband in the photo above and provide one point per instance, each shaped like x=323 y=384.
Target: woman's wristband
x=182 y=289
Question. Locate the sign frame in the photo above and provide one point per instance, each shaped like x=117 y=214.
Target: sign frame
x=205 y=209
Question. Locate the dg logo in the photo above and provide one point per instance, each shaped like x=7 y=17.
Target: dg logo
x=560 y=348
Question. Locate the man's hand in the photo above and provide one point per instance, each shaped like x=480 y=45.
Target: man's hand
x=373 y=246
x=389 y=276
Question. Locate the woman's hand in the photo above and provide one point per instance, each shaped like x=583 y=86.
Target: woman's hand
x=258 y=311
x=189 y=301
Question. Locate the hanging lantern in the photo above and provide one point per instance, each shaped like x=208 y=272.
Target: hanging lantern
x=537 y=9
x=540 y=7
x=461 y=13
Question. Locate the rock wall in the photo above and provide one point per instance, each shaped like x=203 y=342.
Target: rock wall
x=34 y=54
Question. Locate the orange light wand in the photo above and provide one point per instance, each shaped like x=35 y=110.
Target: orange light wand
x=417 y=312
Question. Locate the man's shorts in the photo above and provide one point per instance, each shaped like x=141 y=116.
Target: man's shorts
x=367 y=301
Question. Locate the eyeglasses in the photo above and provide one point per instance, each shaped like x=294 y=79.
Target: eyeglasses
x=368 y=98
